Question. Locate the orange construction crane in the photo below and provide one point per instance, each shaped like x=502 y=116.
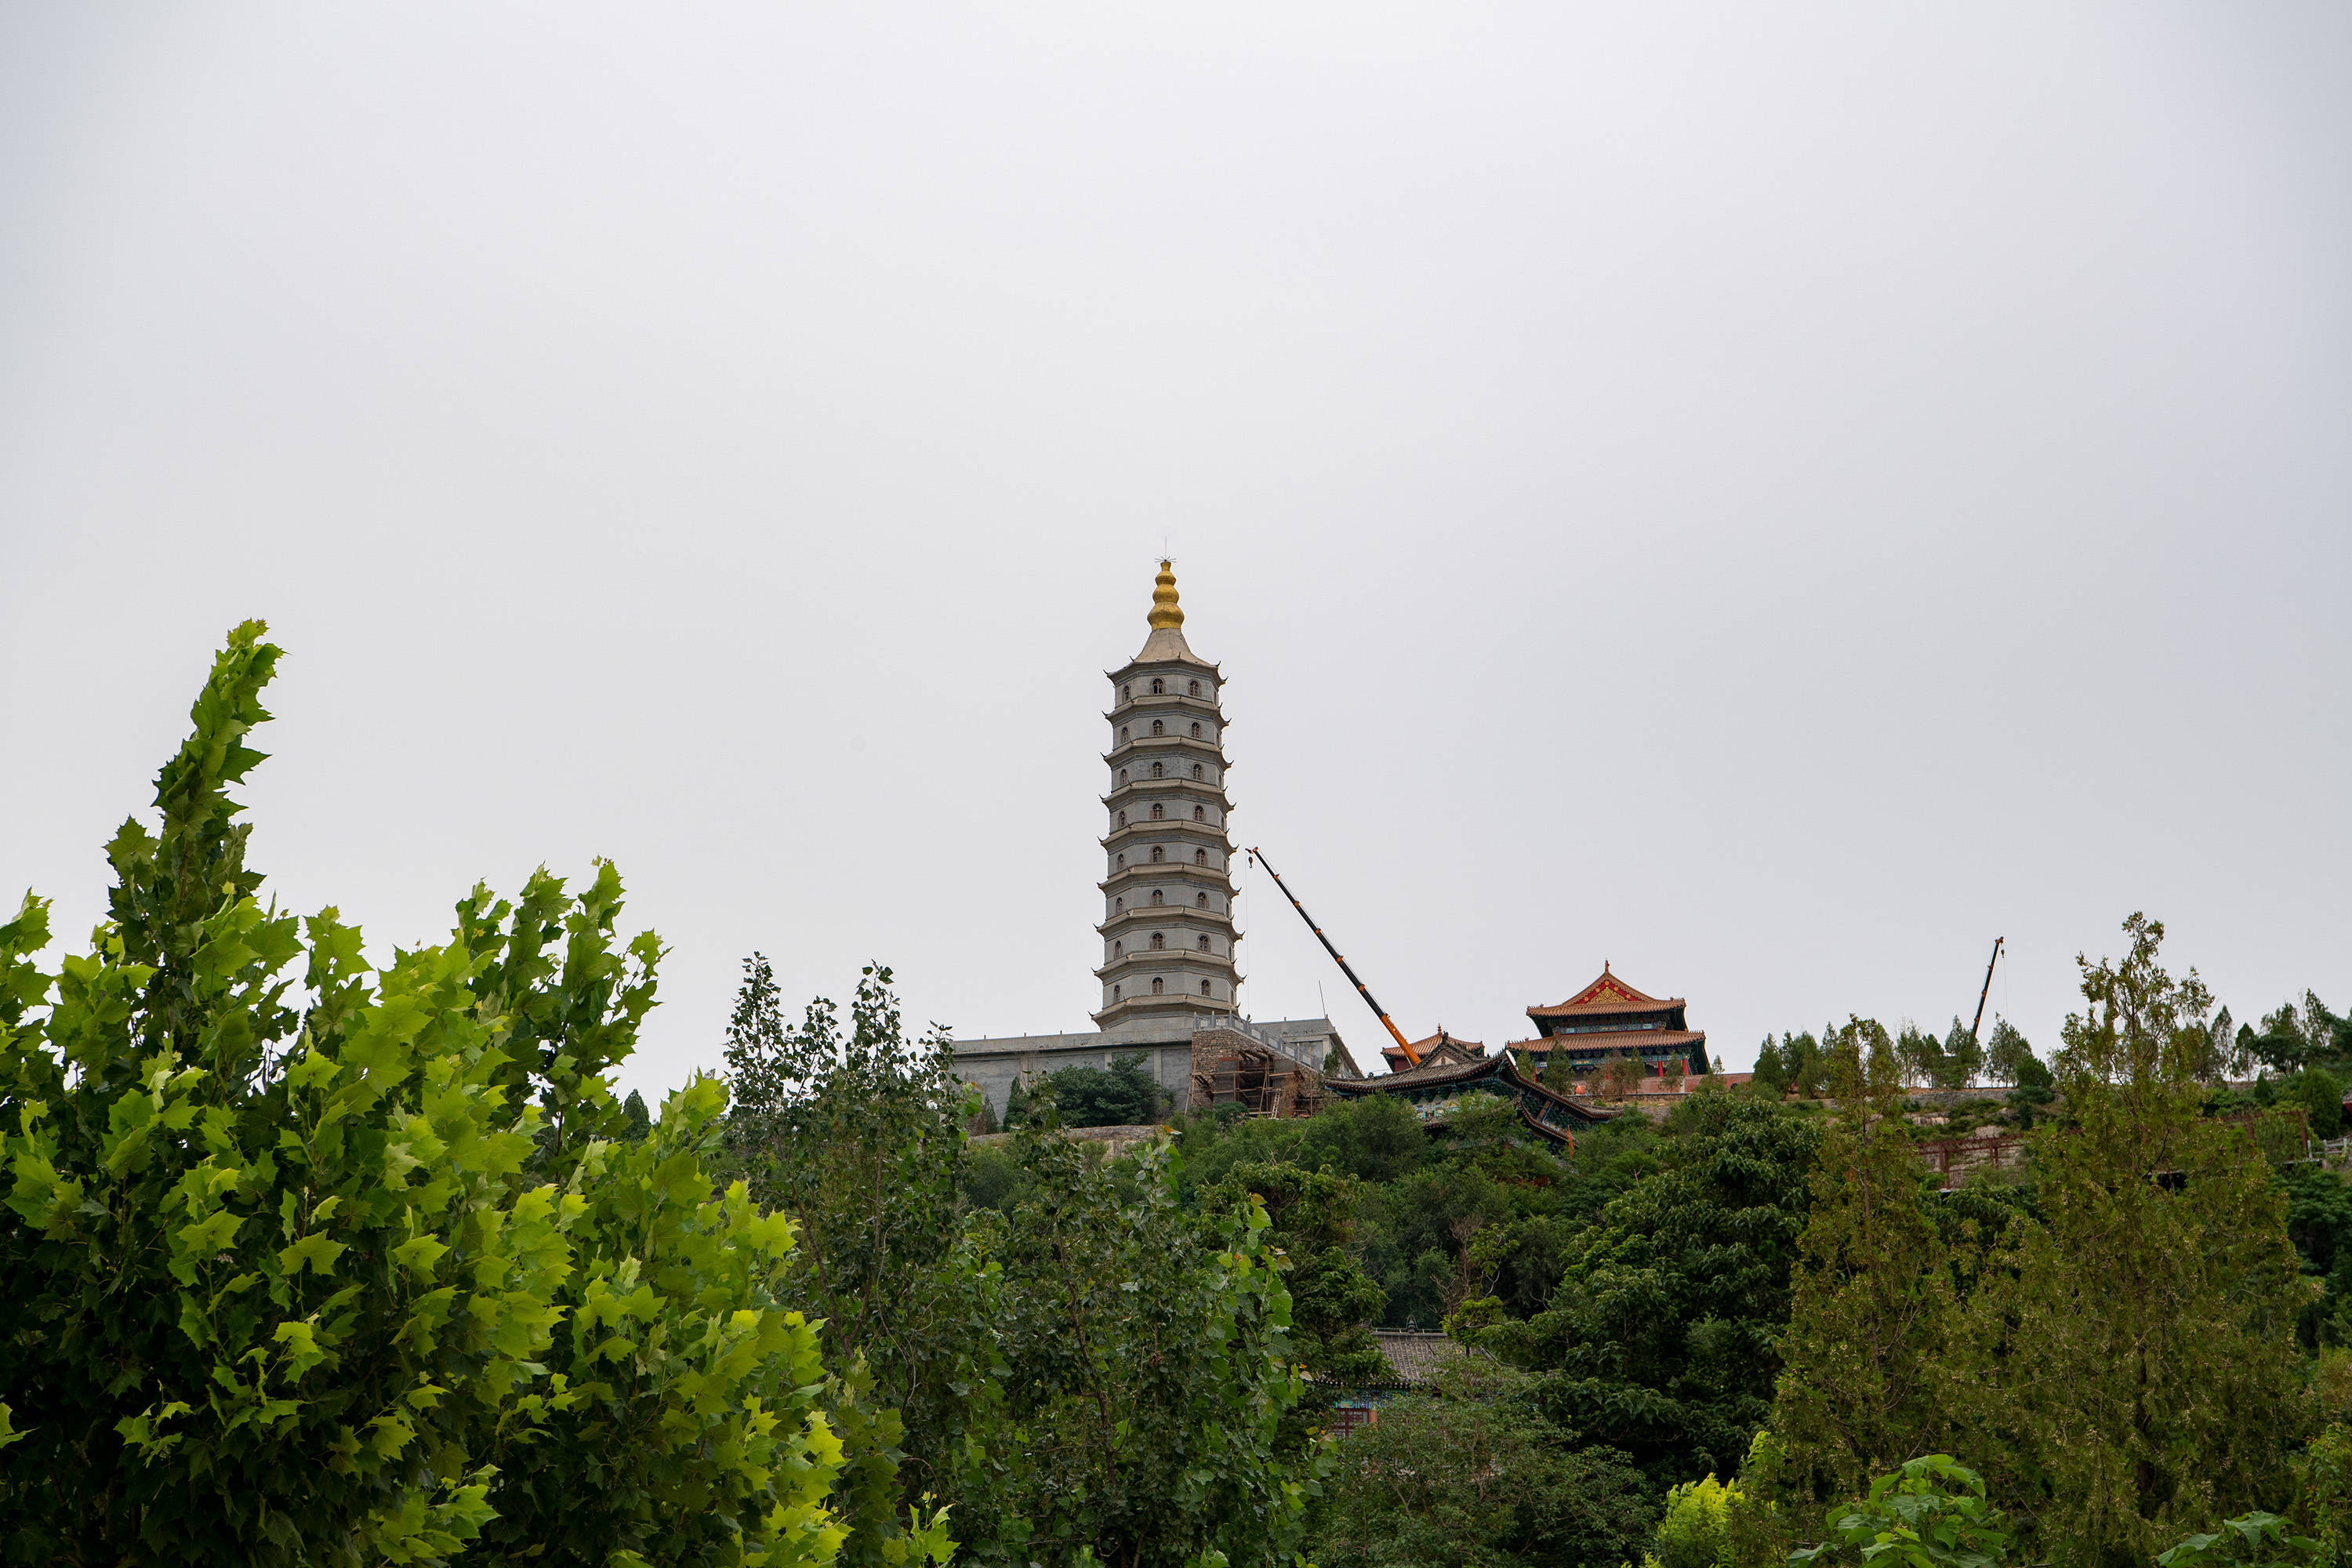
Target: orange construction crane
x=1411 y=1057
x=1987 y=985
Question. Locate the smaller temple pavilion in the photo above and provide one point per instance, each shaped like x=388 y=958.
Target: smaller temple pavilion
x=1436 y=1090
x=1609 y=1018
x=1439 y=1049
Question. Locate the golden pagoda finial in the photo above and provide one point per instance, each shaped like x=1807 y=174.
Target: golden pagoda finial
x=1164 y=613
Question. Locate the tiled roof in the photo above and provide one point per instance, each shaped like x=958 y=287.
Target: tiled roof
x=1424 y=1049
x=1436 y=1072
x=1415 y=1357
x=1605 y=994
x=1611 y=1039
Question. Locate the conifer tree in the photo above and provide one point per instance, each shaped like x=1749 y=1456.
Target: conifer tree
x=1873 y=1310
x=2138 y=1352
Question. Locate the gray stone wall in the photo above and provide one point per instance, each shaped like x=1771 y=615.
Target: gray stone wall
x=995 y=1065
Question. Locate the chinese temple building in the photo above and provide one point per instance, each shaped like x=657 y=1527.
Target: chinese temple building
x=1439 y=1049
x=1609 y=1018
x=1435 y=1091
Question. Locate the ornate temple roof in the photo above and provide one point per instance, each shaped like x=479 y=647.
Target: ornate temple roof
x=1440 y=1047
x=1433 y=1089
x=1607 y=996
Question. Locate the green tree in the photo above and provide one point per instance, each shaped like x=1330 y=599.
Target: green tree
x=1661 y=1338
x=1313 y=1216
x=1147 y=1367
x=1919 y=1055
x=1961 y=1059
x=1476 y=1475
x=1874 y=1314
x=2322 y=1098
x=1121 y=1095
x=2136 y=1349
x=2009 y=1055
x=1697 y=1531
x=857 y=1135
x=297 y=1276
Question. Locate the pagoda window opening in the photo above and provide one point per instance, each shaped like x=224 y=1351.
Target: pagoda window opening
x=1119 y=950
x=1157 y=686
x=1200 y=901
x=1127 y=691
x=1204 y=988
x=1122 y=819
x=1200 y=856
x=1196 y=769
x=1158 y=985
x=1159 y=852
x=1118 y=906
x=1157 y=727
x=1200 y=813
x=1157 y=812
x=1159 y=940
x=1114 y=993
x=1196 y=690
x=1122 y=734
x=1196 y=732
x=1122 y=775
x=1122 y=862
x=1204 y=944
x=1158 y=770
x=1156 y=897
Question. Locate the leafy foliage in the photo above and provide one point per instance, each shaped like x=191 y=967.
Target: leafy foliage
x=1476 y=1475
x=1697 y=1531
x=2009 y=1056
x=1931 y=1513
x=1121 y=1095
x=1147 y=1367
x=353 y=1272
x=1082 y=1367
x=1874 y=1307
x=2250 y=1541
x=1661 y=1337
x=858 y=1137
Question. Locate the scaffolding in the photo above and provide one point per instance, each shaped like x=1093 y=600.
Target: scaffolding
x=1230 y=1067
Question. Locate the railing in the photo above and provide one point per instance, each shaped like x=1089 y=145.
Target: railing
x=1163 y=743
x=1210 y=829
x=1184 y=700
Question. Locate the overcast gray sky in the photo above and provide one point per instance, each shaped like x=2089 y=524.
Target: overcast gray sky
x=1771 y=496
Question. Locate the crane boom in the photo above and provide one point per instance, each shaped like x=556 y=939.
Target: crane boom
x=1988 y=984
x=1411 y=1057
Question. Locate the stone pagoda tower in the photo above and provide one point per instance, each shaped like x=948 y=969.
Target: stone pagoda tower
x=1168 y=894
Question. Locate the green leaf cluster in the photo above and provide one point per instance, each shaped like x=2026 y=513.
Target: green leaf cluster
x=1931 y=1513
x=1478 y=1473
x=308 y=1261
x=1092 y=1370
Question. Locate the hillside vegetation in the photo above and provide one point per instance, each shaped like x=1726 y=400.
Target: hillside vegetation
x=312 y=1261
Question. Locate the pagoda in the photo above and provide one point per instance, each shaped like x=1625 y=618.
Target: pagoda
x=1168 y=985
x=1608 y=1019
x=1168 y=893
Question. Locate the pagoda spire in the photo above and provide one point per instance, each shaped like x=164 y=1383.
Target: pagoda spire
x=1164 y=610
